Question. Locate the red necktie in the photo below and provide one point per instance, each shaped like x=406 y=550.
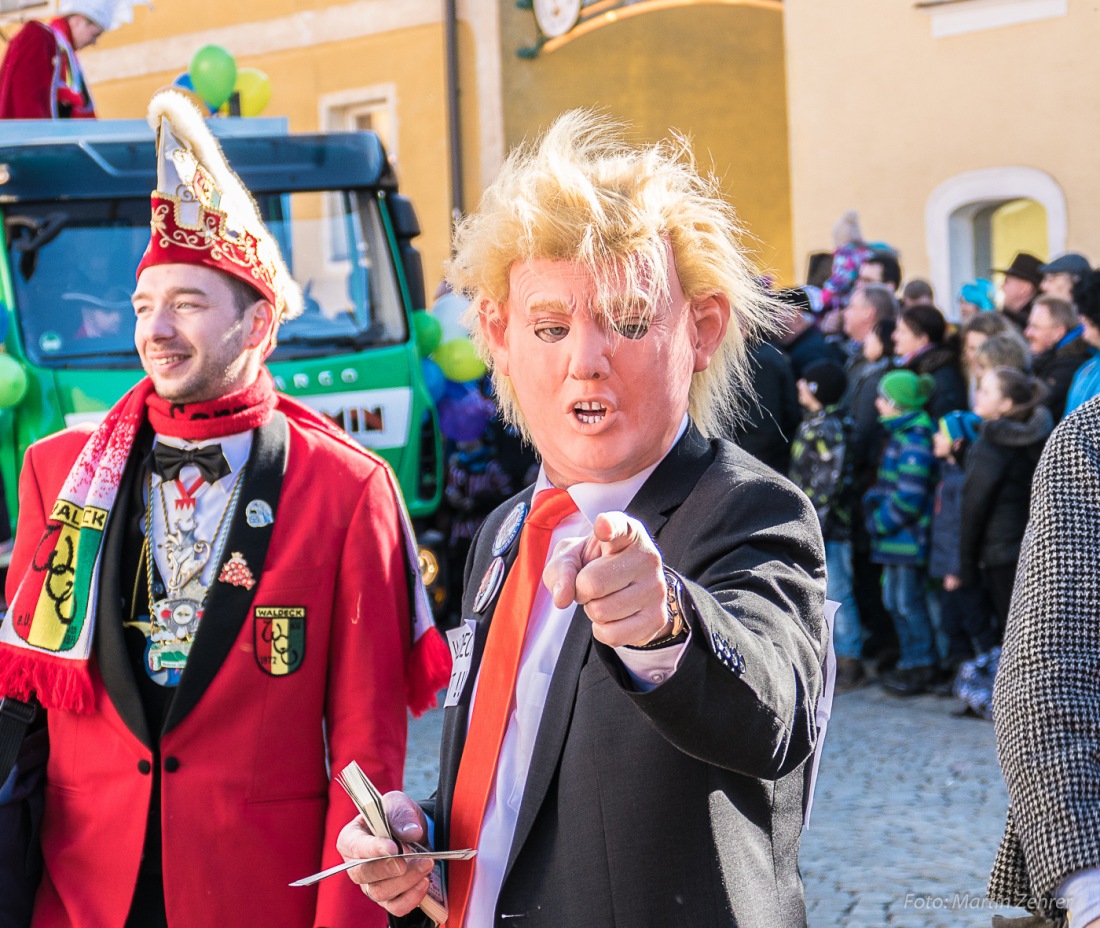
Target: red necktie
x=496 y=684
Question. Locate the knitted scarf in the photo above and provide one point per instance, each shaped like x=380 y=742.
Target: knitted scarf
x=46 y=640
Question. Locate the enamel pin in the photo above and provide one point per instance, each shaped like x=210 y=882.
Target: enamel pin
x=509 y=529
x=235 y=571
x=258 y=514
x=490 y=585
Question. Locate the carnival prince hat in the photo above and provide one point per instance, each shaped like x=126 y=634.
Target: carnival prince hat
x=203 y=214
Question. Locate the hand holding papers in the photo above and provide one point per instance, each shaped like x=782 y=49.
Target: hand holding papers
x=395 y=871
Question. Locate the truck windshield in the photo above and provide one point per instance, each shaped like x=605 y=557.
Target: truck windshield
x=72 y=269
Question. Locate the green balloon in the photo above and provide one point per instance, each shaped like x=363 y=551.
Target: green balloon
x=429 y=333
x=13 y=381
x=213 y=73
x=458 y=360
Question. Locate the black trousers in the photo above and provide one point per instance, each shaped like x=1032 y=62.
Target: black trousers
x=998 y=582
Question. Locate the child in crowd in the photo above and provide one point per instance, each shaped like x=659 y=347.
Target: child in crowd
x=966 y=617
x=975 y=333
x=898 y=512
x=820 y=467
x=997 y=493
x=849 y=253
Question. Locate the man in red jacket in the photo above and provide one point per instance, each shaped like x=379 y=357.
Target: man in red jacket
x=214 y=597
x=40 y=77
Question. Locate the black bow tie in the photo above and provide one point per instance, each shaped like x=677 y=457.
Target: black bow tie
x=168 y=461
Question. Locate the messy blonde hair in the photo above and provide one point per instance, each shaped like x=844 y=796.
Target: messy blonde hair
x=581 y=193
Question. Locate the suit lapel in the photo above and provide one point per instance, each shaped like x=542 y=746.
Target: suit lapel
x=110 y=646
x=671 y=481
x=227 y=605
x=456 y=718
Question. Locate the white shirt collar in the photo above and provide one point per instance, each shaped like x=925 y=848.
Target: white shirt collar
x=594 y=498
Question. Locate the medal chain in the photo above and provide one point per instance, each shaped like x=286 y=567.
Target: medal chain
x=221 y=534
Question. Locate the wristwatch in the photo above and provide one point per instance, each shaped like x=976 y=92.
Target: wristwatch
x=677 y=614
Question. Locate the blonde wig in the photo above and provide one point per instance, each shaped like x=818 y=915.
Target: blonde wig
x=582 y=194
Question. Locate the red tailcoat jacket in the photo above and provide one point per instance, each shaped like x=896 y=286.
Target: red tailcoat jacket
x=247 y=805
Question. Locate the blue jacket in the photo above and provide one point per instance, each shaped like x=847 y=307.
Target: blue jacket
x=898 y=509
x=1086 y=382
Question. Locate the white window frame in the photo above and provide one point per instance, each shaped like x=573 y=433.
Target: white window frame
x=959 y=17
x=947 y=204
x=338 y=111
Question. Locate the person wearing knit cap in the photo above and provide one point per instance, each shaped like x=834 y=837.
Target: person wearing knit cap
x=821 y=468
x=976 y=296
x=214 y=598
x=898 y=514
x=1062 y=275
x=40 y=77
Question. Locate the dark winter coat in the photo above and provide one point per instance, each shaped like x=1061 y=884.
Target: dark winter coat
x=773 y=416
x=942 y=362
x=866 y=440
x=999 y=469
x=943 y=552
x=809 y=346
x=1056 y=367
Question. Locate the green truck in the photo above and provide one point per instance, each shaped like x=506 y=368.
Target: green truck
x=74 y=200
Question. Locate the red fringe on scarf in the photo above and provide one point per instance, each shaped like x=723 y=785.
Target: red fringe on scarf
x=58 y=682
x=427 y=671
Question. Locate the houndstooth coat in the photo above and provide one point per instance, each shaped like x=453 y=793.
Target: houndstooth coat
x=1046 y=701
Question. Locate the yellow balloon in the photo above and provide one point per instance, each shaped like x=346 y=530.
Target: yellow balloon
x=254 y=90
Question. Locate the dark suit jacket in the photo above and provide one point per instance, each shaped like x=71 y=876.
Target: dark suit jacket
x=681 y=806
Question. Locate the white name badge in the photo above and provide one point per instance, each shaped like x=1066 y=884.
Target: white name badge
x=461 y=641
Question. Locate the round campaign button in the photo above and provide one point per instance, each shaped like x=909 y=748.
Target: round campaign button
x=490 y=585
x=509 y=529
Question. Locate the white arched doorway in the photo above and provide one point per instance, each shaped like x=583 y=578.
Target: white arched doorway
x=957 y=215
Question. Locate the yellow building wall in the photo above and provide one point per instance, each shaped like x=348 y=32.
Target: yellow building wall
x=412 y=59
x=881 y=113
x=713 y=72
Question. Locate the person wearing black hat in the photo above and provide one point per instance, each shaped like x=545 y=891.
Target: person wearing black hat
x=1020 y=286
x=802 y=340
x=822 y=469
x=1061 y=275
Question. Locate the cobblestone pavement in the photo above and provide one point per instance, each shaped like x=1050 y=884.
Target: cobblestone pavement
x=907 y=815
x=909 y=809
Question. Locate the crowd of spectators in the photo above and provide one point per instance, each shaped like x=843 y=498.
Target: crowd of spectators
x=916 y=437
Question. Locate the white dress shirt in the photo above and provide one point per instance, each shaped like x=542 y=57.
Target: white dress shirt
x=546 y=630
x=210 y=500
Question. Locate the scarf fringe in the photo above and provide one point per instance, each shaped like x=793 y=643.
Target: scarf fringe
x=59 y=683
x=427 y=671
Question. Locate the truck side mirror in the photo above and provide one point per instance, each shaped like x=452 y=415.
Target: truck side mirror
x=406 y=227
